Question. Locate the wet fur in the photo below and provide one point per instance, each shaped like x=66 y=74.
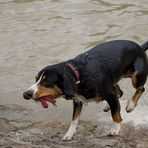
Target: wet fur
x=100 y=69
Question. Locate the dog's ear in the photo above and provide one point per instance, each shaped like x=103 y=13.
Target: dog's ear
x=69 y=84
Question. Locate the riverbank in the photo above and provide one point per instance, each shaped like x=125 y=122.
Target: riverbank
x=49 y=134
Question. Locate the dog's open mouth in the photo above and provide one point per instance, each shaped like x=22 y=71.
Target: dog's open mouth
x=46 y=99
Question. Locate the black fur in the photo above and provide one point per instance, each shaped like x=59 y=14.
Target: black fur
x=145 y=46
x=100 y=69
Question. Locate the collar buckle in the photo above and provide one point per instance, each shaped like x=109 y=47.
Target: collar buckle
x=77 y=82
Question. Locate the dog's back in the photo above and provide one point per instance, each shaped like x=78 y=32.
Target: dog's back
x=117 y=57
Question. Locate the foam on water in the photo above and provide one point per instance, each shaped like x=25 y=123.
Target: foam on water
x=139 y=116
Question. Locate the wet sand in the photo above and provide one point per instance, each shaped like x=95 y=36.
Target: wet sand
x=49 y=134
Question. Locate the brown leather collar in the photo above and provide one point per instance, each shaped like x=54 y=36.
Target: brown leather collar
x=75 y=71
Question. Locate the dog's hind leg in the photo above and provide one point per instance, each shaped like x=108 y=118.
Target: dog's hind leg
x=119 y=94
x=114 y=104
x=77 y=107
x=139 y=77
x=138 y=85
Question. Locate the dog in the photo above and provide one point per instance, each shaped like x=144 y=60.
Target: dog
x=94 y=76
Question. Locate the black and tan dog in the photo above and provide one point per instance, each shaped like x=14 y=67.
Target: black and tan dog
x=94 y=75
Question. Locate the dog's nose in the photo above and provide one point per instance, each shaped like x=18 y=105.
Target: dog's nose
x=27 y=94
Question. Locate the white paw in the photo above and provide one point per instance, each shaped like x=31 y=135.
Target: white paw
x=106 y=108
x=115 y=129
x=130 y=106
x=72 y=130
x=68 y=137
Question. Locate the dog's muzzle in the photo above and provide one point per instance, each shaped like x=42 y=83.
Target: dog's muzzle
x=28 y=94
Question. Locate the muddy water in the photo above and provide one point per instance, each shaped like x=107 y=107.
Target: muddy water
x=36 y=33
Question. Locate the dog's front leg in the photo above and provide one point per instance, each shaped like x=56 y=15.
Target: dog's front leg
x=77 y=106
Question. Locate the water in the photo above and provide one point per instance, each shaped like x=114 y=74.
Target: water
x=36 y=33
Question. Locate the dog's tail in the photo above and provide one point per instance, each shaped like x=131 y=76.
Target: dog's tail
x=145 y=46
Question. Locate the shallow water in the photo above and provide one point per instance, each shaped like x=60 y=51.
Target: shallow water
x=36 y=33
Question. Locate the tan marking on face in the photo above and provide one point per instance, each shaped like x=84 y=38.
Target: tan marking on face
x=43 y=91
x=117 y=117
x=44 y=77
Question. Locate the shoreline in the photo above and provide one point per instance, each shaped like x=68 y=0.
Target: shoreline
x=50 y=133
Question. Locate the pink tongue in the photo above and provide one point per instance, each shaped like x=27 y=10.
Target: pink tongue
x=46 y=99
x=44 y=103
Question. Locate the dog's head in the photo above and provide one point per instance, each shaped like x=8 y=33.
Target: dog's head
x=47 y=85
x=52 y=84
